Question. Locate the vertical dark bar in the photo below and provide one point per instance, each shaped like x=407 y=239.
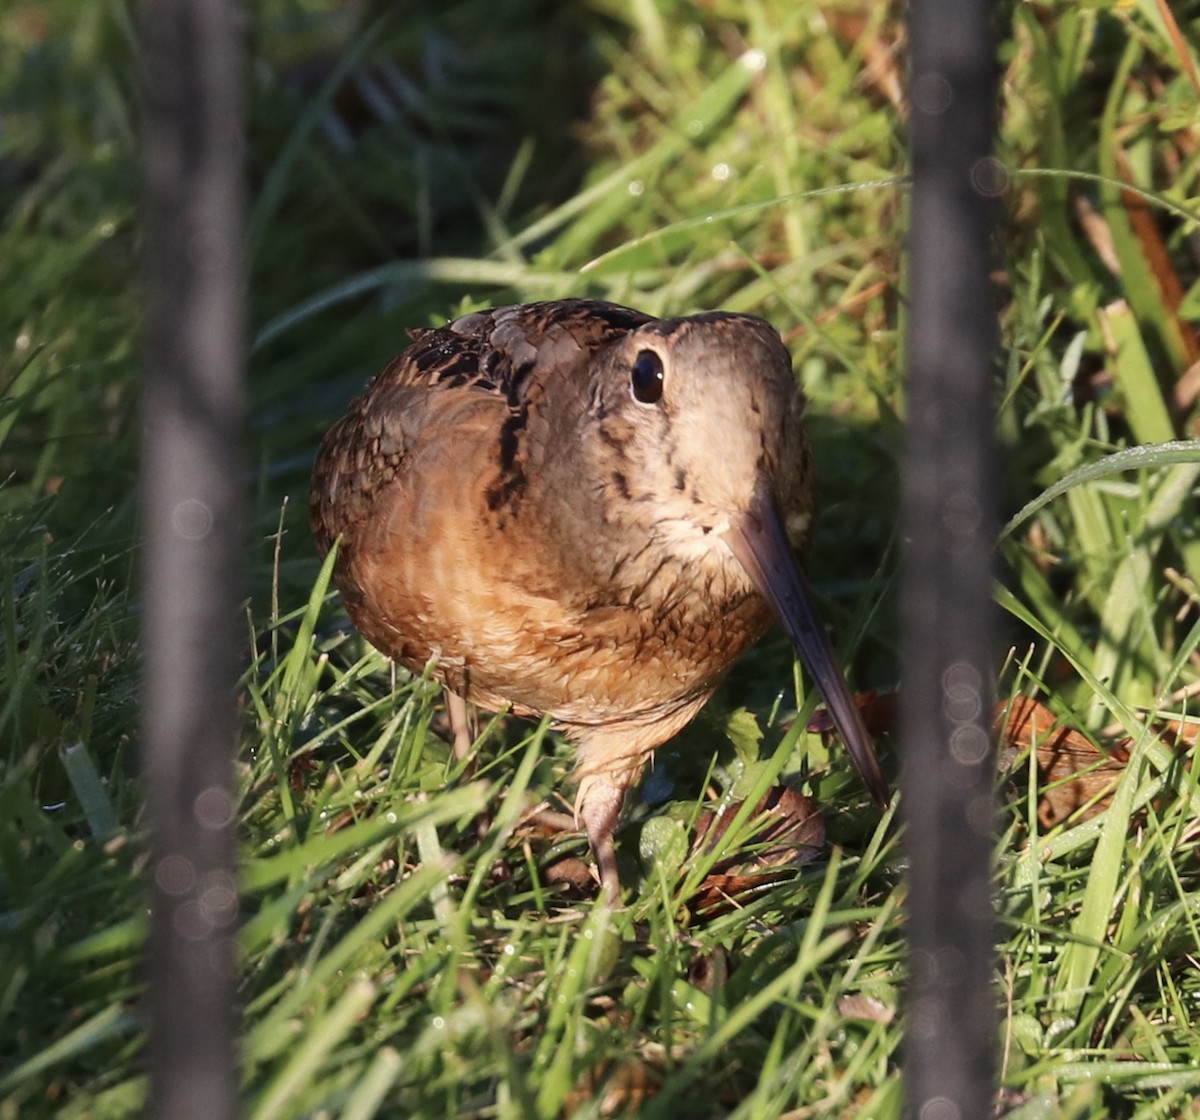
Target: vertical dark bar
x=192 y=528
x=949 y=531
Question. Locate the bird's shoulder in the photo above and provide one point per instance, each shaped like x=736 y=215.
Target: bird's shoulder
x=456 y=389
x=503 y=350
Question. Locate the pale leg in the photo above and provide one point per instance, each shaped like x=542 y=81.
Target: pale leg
x=460 y=725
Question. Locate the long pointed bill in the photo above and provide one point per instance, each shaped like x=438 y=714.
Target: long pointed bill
x=761 y=546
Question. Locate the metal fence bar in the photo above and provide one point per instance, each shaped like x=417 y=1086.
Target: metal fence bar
x=192 y=527
x=949 y=531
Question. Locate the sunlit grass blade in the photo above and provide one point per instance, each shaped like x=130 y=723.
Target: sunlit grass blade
x=1132 y=458
x=303 y=1066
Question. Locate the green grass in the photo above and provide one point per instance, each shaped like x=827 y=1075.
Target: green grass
x=402 y=953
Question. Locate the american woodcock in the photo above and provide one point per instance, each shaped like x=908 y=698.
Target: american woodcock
x=581 y=510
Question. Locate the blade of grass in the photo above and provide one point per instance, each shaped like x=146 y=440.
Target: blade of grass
x=371 y=1091
x=93 y=797
x=322 y=849
x=1144 y=404
x=589 y=960
x=1127 y=647
x=635 y=254
x=1079 y=961
x=113 y=1022
x=270 y=1033
x=274 y=188
x=1133 y=458
x=279 y=1096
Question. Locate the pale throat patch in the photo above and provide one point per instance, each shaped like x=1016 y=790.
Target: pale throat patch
x=796 y=525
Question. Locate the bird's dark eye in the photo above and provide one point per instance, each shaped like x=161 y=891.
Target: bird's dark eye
x=646 y=377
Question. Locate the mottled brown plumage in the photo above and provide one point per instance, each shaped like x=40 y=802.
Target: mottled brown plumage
x=580 y=510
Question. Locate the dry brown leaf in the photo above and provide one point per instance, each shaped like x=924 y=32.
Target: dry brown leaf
x=867 y=1008
x=883 y=54
x=878 y=709
x=1158 y=259
x=1096 y=230
x=626 y=1087
x=1073 y=775
x=572 y=875
x=791 y=832
x=1187 y=390
x=709 y=971
x=1179 y=733
x=850 y=305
